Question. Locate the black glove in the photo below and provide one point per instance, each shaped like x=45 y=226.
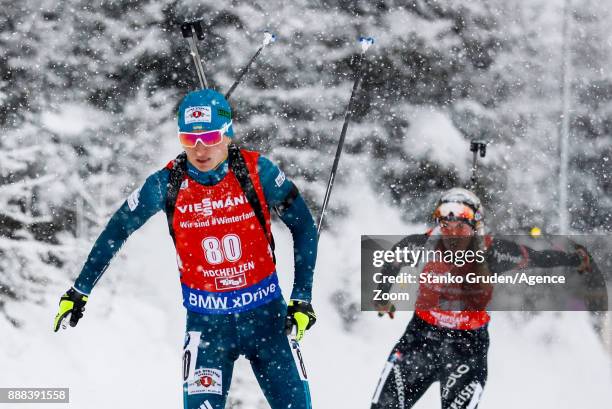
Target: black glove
x=300 y=314
x=585 y=257
x=385 y=307
x=72 y=303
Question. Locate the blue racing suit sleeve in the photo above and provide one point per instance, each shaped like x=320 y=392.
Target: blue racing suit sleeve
x=298 y=219
x=135 y=211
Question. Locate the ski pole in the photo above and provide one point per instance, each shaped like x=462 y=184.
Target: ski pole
x=365 y=42
x=297 y=356
x=268 y=38
x=477 y=147
x=189 y=28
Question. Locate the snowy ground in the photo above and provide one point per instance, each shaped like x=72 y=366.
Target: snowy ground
x=125 y=353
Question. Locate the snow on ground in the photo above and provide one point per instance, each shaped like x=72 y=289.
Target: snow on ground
x=126 y=352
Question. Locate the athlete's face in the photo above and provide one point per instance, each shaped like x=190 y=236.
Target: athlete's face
x=206 y=158
x=456 y=235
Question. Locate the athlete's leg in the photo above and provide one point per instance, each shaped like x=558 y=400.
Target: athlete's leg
x=411 y=368
x=278 y=367
x=464 y=373
x=208 y=360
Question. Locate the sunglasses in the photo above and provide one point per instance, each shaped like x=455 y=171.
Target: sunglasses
x=206 y=138
x=456 y=228
x=455 y=212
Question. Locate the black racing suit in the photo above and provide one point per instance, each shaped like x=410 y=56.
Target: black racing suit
x=457 y=358
x=427 y=353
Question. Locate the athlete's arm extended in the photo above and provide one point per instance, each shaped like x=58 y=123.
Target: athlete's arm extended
x=504 y=255
x=135 y=211
x=413 y=242
x=282 y=195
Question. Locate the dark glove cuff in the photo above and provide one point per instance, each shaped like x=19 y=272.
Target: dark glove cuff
x=76 y=297
x=300 y=306
x=305 y=308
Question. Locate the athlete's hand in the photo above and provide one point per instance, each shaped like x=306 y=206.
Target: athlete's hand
x=585 y=265
x=71 y=307
x=301 y=315
x=385 y=307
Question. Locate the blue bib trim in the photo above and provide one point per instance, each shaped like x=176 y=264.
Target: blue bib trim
x=229 y=302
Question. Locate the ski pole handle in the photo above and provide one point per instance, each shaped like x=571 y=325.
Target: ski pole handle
x=366 y=42
x=477 y=147
x=268 y=38
x=188 y=29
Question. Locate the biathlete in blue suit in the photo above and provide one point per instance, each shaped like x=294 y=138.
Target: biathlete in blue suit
x=218 y=199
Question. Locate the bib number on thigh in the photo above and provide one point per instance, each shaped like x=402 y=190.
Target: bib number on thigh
x=190 y=354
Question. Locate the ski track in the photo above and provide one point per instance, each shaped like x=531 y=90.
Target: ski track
x=126 y=352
